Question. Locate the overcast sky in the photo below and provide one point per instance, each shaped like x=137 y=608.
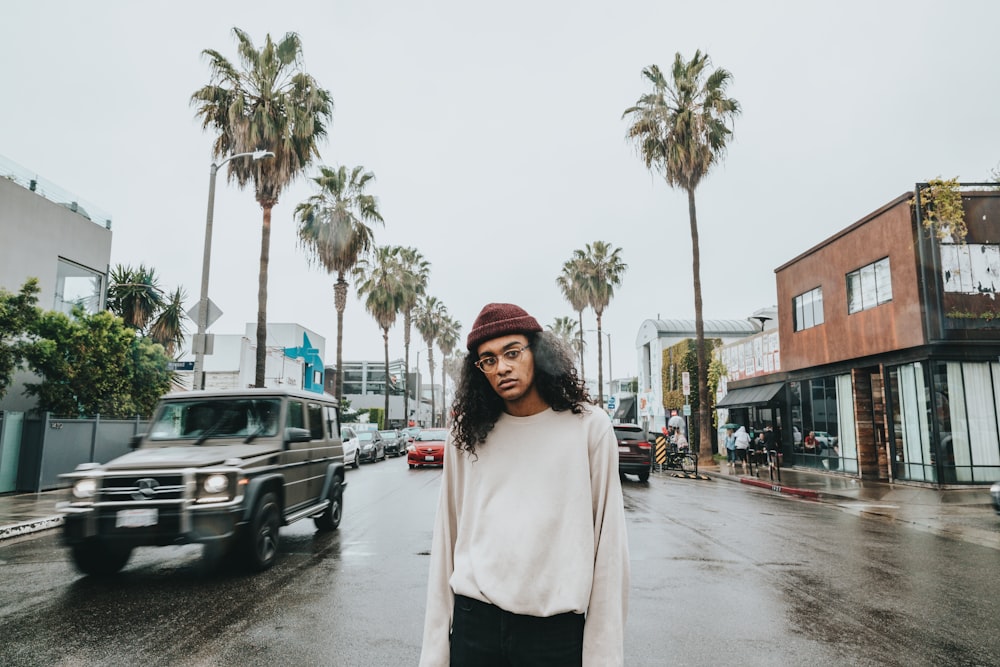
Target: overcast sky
x=496 y=138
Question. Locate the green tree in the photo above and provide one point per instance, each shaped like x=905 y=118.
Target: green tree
x=267 y=103
x=18 y=313
x=379 y=283
x=565 y=328
x=601 y=271
x=335 y=229
x=168 y=328
x=415 y=272
x=92 y=364
x=571 y=284
x=448 y=339
x=429 y=319
x=134 y=294
x=681 y=129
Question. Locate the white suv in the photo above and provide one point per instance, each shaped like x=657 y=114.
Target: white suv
x=351 y=446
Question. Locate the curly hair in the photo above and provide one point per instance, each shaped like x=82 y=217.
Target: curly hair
x=477 y=406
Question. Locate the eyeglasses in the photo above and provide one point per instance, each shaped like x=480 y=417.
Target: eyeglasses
x=489 y=364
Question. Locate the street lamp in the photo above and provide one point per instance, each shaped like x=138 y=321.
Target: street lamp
x=199 y=339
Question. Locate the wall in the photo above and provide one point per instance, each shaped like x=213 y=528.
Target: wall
x=895 y=325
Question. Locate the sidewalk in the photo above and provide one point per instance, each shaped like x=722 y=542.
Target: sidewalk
x=963 y=513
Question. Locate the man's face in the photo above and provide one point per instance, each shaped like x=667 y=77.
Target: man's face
x=511 y=380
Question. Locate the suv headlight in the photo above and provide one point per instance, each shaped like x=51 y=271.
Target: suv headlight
x=215 y=484
x=216 y=487
x=85 y=488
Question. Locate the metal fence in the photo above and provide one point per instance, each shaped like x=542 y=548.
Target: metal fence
x=46 y=447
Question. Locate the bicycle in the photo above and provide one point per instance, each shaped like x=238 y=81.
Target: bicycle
x=681 y=460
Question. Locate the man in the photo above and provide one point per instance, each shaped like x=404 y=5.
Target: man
x=529 y=563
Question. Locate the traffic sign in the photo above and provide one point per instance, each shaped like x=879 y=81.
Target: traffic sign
x=214 y=313
x=180 y=365
x=686 y=383
x=687 y=409
x=611 y=402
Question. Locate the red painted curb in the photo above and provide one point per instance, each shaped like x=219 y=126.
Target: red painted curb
x=778 y=488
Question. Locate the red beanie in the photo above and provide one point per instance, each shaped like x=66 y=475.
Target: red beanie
x=500 y=319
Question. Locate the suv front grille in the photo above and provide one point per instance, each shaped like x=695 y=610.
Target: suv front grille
x=141 y=488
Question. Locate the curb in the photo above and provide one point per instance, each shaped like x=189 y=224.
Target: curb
x=28 y=527
x=778 y=488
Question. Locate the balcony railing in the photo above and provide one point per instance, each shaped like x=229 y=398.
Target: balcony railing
x=25 y=178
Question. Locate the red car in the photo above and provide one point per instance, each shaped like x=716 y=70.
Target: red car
x=427 y=448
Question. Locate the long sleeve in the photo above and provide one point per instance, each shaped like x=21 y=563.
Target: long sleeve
x=603 y=632
x=436 y=648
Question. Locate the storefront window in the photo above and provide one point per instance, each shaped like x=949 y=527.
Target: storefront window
x=967 y=398
x=911 y=427
x=822 y=416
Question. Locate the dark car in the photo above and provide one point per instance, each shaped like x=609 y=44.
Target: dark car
x=371 y=447
x=427 y=448
x=224 y=469
x=395 y=442
x=635 y=454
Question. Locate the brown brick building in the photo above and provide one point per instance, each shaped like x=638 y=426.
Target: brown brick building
x=888 y=350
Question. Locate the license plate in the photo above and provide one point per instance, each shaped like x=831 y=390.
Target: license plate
x=428 y=458
x=136 y=518
x=623 y=449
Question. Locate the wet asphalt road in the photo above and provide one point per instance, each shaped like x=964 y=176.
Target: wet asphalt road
x=721 y=574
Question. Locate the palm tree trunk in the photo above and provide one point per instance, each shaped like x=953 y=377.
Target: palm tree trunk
x=704 y=418
x=430 y=366
x=265 y=253
x=583 y=375
x=600 y=362
x=444 y=364
x=406 y=368
x=340 y=303
x=385 y=415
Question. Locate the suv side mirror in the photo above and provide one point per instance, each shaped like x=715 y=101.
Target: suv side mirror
x=134 y=441
x=294 y=434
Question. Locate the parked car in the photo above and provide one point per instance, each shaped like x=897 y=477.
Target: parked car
x=635 y=453
x=372 y=447
x=427 y=448
x=351 y=446
x=825 y=440
x=395 y=442
x=225 y=469
x=995 y=494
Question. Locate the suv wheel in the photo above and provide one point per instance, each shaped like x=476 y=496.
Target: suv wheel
x=260 y=545
x=357 y=457
x=99 y=559
x=330 y=518
x=644 y=476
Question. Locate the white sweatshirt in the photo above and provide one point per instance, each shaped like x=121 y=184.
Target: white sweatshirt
x=533 y=523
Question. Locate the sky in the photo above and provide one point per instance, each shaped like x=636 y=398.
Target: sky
x=496 y=137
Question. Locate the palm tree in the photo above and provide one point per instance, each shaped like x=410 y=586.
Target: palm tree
x=267 y=103
x=168 y=327
x=428 y=318
x=334 y=228
x=134 y=294
x=681 y=130
x=378 y=282
x=565 y=328
x=601 y=271
x=570 y=283
x=447 y=340
x=415 y=271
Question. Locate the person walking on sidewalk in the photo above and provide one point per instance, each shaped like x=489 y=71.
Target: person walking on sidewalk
x=730 y=448
x=529 y=557
x=742 y=445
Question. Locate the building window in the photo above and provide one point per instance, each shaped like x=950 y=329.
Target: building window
x=78 y=285
x=808 y=309
x=869 y=286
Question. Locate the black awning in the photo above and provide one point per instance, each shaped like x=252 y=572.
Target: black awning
x=626 y=411
x=763 y=393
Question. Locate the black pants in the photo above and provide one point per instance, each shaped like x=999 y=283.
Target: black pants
x=484 y=635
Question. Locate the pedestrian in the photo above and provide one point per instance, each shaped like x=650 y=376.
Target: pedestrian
x=742 y=445
x=809 y=444
x=529 y=559
x=730 y=447
x=680 y=441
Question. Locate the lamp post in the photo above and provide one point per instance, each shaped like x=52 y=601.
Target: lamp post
x=199 y=339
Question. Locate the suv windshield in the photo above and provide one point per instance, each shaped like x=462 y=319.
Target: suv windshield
x=203 y=418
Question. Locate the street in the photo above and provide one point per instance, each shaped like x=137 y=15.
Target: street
x=722 y=573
